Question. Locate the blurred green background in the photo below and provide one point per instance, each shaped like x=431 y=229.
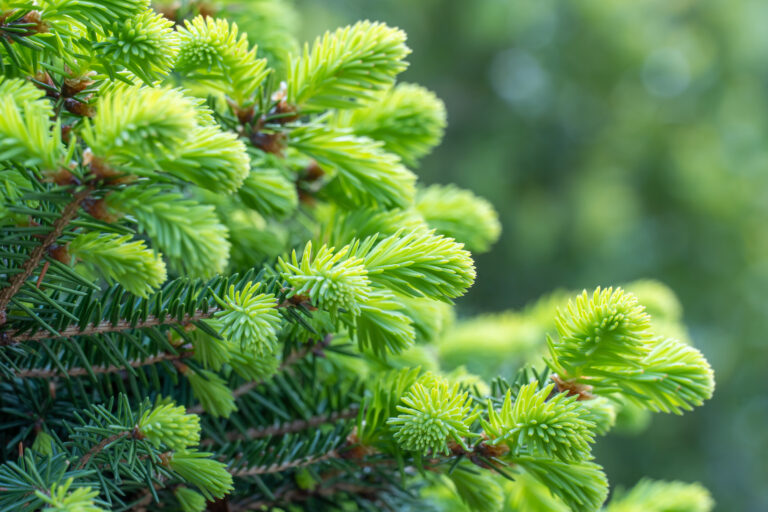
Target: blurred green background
x=618 y=140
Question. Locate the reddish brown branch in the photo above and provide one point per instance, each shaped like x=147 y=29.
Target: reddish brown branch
x=29 y=266
x=280 y=429
x=107 y=326
x=103 y=444
x=79 y=372
x=277 y=468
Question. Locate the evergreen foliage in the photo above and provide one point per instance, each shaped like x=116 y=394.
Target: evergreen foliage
x=159 y=348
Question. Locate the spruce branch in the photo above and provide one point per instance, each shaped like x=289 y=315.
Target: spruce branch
x=96 y=449
x=17 y=281
x=33 y=373
x=347 y=66
x=108 y=326
x=281 y=429
x=285 y=466
x=292 y=359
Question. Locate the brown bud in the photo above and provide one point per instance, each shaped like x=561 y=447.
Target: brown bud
x=492 y=450
x=356 y=450
x=60 y=253
x=98 y=209
x=79 y=108
x=181 y=367
x=36 y=20
x=582 y=391
x=63 y=178
x=305 y=197
x=66 y=133
x=170 y=10
x=269 y=142
x=244 y=115
x=72 y=86
x=313 y=172
x=220 y=505
x=283 y=112
x=102 y=171
x=165 y=458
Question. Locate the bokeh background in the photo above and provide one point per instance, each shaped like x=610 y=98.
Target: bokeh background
x=618 y=140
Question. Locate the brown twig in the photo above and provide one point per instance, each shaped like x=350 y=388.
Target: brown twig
x=79 y=372
x=107 y=326
x=99 y=447
x=280 y=429
x=29 y=266
x=277 y=468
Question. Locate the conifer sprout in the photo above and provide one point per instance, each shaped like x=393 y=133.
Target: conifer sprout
x=435 y=413
x=461 y=215
x=347 y=66
x=383 y=324
x=131 y=264
x=212 y=392
x=478 y=489
x=221 y=287
x=105 y=13
x=249 y=319
x=421 y=264
x=610 y=328
x=145 y=45
x=556 y=426
x=27 y=135
x=331 y=280
x=211 y=52
x=602 y=412
x=43 y=443
x=211 y=477
x=135 y=124
x=269 y=192
x=189 y=500
x=656 y=496
x=580 y=485
x=365 y=174
x=170 y=426
x=210 y=158
x=61 y=499
x=408 y=119
x=189 y=234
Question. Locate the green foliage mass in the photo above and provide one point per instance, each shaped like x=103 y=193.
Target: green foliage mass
x=221 y=286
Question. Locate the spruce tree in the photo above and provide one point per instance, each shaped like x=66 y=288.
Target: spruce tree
x=221 y=284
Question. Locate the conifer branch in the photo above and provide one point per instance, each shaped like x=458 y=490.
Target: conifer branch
x=280 y=429
x=29 y=266
x=292 y=359
x=80 y=371
x=103 y=444
x=108 y=326
x=285 y=466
